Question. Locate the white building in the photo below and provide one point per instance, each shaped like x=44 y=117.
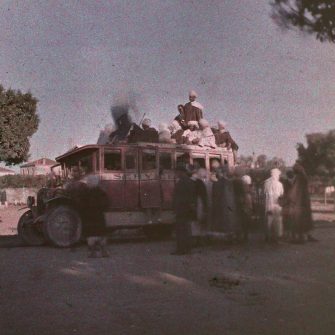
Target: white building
x=41 y=166
x=5 y=172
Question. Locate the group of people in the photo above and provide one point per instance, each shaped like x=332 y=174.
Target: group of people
x=188 y=127
x=288 y=206
x=224 y=207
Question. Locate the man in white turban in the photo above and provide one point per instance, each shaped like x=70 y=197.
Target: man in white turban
x=273 y=190
x=192 y=109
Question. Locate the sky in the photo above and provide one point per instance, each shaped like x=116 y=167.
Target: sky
x=270 y=86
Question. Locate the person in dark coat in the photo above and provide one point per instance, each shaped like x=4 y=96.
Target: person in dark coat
x=92 y=202
x=244 y=205
x=180 y=117
x=286 y=214
x=184 y=203
x=123 y=125
x=223 y=139
x=192 y=109
x=135 y=134
x=224 y=206
x=199 y=224
x=4 y=198
x=149 y=134
x=300 y=206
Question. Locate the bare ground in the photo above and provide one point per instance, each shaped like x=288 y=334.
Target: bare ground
x=142 y=289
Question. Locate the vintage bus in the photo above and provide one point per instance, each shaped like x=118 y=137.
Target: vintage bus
x=137 y=179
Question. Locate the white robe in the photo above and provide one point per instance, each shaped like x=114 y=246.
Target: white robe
x=192 y=135
x=207 y=138
x=273 y=190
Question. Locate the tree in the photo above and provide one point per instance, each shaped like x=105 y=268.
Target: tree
x=316 y=17
x=275 y=162
x=318 y=157
x=245 y=161
x=261 y=161
x=18 y=122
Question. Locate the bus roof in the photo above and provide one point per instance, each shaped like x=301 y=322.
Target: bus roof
x=185 y=147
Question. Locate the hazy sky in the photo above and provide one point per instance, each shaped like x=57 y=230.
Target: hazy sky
x=271 y=87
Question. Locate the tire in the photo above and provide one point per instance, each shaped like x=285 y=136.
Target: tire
x=28 y=232
x=63 y=226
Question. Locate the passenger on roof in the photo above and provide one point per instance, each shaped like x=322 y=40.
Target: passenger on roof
x=207 y=137
x=176 y=132
x=193 y=109
x=180 y=118
x=192 y=135
x=224 y=140
x=149 y=134
x=164 y=134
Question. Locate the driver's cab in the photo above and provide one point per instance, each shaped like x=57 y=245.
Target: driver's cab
x=80 y=164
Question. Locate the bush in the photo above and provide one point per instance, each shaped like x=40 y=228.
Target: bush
x=18 y=181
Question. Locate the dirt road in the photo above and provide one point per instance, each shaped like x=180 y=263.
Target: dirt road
x=142 y=289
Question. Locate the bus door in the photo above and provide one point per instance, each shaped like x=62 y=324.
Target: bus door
x=167 y=176
x=112 y=177
x=131 y=187
x=150 y=195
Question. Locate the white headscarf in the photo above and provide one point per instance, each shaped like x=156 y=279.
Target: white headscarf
x=222 y=124
x=146 y=122
x=246 y=179
x=193 y=93
x=174 y=126
x=193 y=123
x=163 y=127
x=203 y=123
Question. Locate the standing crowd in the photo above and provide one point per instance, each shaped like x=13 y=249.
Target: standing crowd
x=224 y=207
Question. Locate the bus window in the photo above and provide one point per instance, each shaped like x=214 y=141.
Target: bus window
x=182 y=158
x=214 y=163
x=165 y=161
x=112 y=161
x=199 y=162
x=130 y=161
x=148 y=160
x=86 y=165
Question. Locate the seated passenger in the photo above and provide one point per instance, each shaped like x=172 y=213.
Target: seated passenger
x=104 y=136
x=176 y=132
x=135 y=134
x=192 y=135
x=180 y=118
x=207 y=137
x=224 y=140
x=149 y=134
x=164 y=134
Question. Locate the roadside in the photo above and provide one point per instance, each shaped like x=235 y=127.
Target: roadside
x=142 y=289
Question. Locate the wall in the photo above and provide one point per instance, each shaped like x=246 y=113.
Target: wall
x=19 y=194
